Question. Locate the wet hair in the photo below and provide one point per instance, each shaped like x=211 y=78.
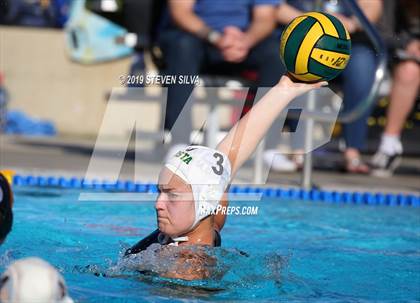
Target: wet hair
x=6 y=215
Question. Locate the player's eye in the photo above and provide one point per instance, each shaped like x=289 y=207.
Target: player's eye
x=173 y=195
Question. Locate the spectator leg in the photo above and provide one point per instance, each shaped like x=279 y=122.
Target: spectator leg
x=265 y=57
x=183 y=55
x=403 y=95
x=357 y=81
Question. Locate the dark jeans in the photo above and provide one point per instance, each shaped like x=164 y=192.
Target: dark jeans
x=357 y=79
x=186 y=54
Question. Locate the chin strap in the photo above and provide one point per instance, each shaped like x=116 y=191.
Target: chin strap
x=166 y=240
x=180 y=239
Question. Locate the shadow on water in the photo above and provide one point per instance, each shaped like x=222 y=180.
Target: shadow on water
x=33 y=192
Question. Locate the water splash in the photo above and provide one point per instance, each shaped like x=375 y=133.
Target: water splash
x=7 y=258
x=198 y=267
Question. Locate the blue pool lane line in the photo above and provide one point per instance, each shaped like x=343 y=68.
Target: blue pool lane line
x=314 y=195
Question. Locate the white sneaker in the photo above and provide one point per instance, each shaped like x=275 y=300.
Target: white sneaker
x=384 y=165
x=173 y=150
x=278 y=162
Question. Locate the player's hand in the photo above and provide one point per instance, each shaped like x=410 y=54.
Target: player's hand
x=298 y=88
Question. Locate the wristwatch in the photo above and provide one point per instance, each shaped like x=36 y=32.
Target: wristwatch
x=213 y=36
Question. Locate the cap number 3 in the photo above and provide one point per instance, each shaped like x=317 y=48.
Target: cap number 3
x=218 y=170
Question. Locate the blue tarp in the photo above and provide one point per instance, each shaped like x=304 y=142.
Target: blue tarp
x=19 y=123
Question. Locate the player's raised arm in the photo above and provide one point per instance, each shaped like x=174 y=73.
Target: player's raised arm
x=246 y=134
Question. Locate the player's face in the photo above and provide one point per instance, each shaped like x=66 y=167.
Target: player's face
x=174 y=205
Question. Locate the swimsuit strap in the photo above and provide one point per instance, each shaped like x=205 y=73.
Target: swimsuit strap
x=217 y=239
x=143 y=244
x=158 y=237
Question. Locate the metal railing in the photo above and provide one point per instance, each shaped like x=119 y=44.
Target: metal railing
x=362 y=107
x=344 y=117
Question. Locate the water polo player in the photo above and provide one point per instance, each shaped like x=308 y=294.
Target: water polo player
x=193 y=182
x=33 y=280
x=6 y=204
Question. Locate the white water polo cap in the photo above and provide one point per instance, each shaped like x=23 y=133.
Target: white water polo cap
x=208 y=171
x=33 y=280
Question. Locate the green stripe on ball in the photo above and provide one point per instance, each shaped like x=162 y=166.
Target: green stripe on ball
x=295 y=40
x=333 y=44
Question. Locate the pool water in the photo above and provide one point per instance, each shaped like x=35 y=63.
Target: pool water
x=291 y=251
